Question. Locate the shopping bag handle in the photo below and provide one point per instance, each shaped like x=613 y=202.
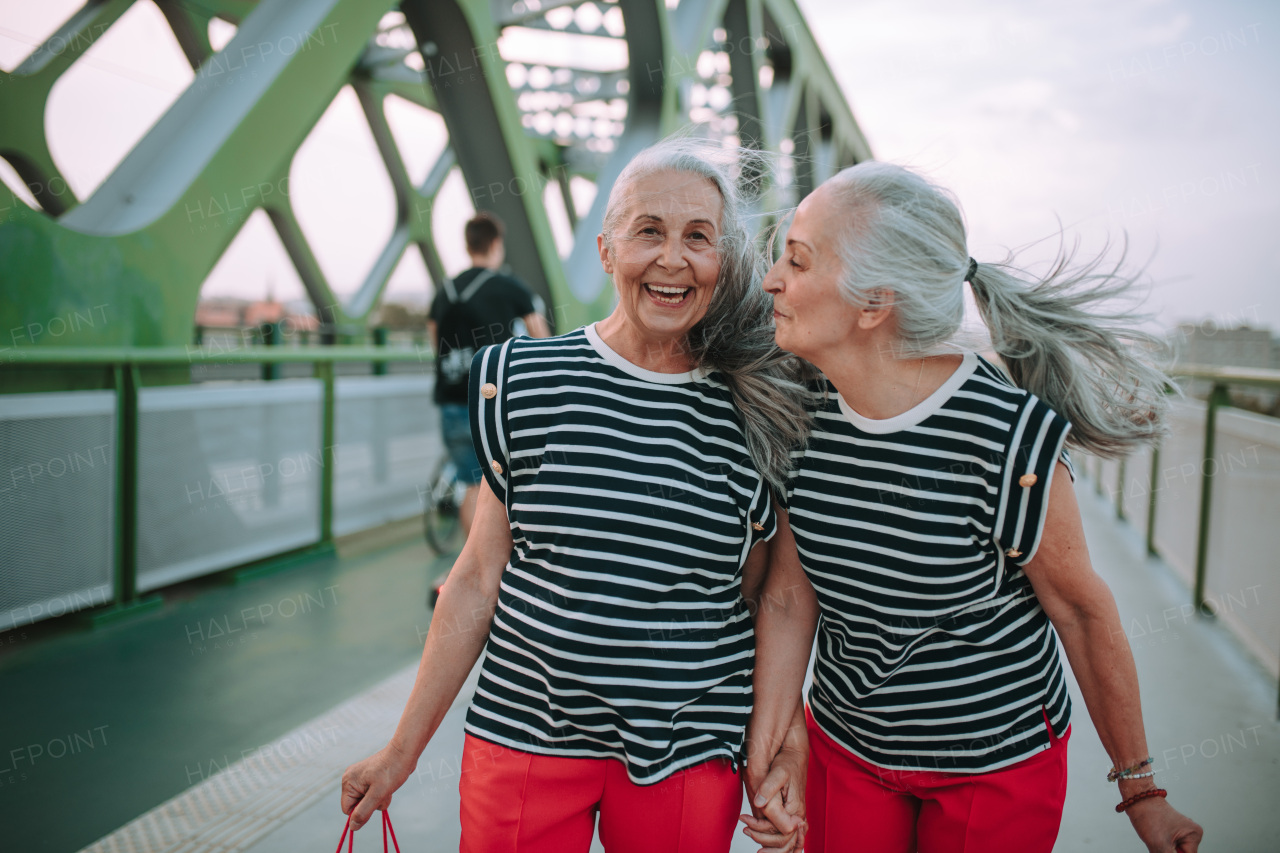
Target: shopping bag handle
x=349 y=835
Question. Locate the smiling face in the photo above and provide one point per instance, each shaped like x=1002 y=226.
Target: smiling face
x=663 y=255
x=811 y=315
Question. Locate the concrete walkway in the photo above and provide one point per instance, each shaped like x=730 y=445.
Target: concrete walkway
x=1209 y=710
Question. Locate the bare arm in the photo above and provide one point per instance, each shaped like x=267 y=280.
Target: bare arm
x=537 y=325
x=782 y=793
x=459 y=630
x=433 y=335
x=1083 y=612
x=786 y=619
x=778 y=746
x=754 y=571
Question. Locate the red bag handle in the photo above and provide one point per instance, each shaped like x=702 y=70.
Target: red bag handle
x=349 y=836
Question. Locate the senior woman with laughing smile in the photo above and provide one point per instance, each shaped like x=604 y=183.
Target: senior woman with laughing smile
x=629 y=467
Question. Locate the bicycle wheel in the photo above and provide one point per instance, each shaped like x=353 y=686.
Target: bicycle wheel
x=440 y=519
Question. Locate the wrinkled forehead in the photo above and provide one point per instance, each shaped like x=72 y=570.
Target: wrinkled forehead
x=818 y=221
x=672 y=197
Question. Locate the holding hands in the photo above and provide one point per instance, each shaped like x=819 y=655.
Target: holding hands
x=776 y=790
x=775 y=787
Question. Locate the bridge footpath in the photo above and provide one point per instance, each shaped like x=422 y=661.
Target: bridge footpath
x=226 y=724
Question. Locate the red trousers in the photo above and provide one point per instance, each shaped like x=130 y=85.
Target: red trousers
x=856 y=806
x=517 y=802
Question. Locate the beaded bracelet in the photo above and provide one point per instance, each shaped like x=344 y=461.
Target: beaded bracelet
x=1140 y=796
x=1127 y=773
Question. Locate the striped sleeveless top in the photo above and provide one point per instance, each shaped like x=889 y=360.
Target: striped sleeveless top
x=932 y=650
x=620 y=629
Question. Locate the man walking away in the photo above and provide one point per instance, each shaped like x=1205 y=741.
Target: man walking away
x=479 y=307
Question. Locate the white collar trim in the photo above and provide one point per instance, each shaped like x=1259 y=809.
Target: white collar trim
x=916 y=414
x=607 y=353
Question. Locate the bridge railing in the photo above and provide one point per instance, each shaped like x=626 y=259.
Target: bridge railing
x=110 y=494
x=1208 y=502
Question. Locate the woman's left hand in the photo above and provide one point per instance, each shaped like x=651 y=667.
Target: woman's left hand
x=1163 y=828
x=778 y=802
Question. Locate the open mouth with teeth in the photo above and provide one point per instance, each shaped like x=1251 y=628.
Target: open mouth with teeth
x=668 y=294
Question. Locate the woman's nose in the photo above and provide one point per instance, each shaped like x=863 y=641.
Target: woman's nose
x=773 y=280
x=672 y=256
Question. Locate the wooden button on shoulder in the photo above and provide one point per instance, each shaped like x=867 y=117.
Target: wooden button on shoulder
x=1027 y=480
x=1012 y=552
x=755 y=525
x=496 y=466
x=488 y=390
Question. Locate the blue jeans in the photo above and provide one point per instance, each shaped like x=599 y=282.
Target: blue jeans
x=455 y=425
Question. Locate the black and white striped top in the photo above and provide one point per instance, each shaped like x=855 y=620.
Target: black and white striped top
x=933 y=652
x=620 y=629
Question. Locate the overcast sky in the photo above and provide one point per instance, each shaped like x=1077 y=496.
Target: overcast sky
x=1158 y=119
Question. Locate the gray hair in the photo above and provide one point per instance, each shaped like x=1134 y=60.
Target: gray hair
x=735 y=338
x=906 y=235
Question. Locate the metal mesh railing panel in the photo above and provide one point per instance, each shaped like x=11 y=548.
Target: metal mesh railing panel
x=387 y=438
x=57 y=504
x=226 y=476
x=1135 y=491
x=1178 y=488
x=1244 y=538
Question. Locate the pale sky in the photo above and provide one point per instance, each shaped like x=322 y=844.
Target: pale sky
x=1155 y=118
x=1151 y=118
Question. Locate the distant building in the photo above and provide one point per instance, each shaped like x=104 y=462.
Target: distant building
x=269 y=311
x=1205 y=344
x=1208 y=344
x=220 y=313
x=228 y=313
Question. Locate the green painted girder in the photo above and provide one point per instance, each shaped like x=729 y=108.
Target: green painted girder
x=137 y=251
x=25 y=96
x=144 y=242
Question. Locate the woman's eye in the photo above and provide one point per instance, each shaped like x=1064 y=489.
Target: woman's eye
x=698 y=235
x=793 y=263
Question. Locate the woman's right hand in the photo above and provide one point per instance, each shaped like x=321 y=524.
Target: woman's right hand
x=1163 y=828
x=778 y=802
x=367 y=785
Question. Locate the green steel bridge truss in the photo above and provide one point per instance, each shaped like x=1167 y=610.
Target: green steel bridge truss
x=512 y=129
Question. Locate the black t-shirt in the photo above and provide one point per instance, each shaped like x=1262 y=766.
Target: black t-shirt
x=478 y=308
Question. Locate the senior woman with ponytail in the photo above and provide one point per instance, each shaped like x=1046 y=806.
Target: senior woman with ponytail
x=629 y=468
x=933 y=534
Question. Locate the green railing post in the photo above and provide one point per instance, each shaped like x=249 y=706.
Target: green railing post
x=1218 y=398
x=127 y=381
x=126 y=581
x=325 y=372
x=380 y=340
x=1122 y=468
x=271 y=338
x=1151 y=500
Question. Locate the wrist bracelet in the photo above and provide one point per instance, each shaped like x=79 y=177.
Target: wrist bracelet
x=1127 y=773
x=1140 y=796
x=1137 y=776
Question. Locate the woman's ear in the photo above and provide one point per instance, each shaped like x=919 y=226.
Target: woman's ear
x=605 y=260
x=878 y=308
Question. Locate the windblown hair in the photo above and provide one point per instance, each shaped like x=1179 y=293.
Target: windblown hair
x=735 y=338
x=1088 y=362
